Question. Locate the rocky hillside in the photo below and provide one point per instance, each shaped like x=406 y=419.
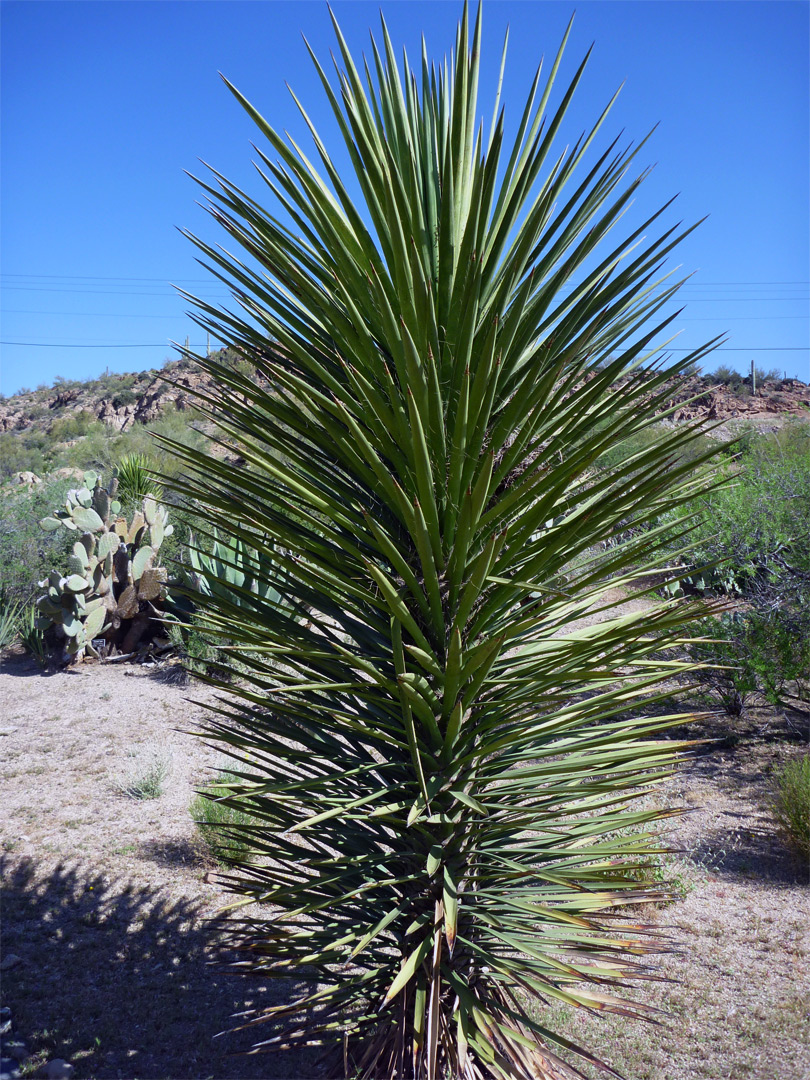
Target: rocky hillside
x=118 y=400
x=121 y=401
x=729 y=401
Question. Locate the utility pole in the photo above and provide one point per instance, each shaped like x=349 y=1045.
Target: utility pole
x=208 y=344
x=186 y=344
x=753 y=379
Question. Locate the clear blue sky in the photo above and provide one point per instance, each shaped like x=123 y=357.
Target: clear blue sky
x=104 y=105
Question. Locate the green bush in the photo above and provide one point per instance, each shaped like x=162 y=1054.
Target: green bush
x=22 y=451
x=725 y=375
x=124 y=397
x=26 y=552
x=146 y=439
x=757 y=527
x=728 y=675
x=148 y=770
x=776 y=649
x=765 y=651
x=223 y=819
x=195 y=648
x=94 y=448
x=72 y=427
x=791 y=804
x=136 y=479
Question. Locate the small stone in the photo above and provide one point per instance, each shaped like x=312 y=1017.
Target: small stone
x=58 y=1069
x=9 y=1069
x=5 y=1027
x=17 y=1050
x=7 y=730
x=10 y=961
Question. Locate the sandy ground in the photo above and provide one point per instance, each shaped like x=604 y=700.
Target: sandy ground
x=108 y=901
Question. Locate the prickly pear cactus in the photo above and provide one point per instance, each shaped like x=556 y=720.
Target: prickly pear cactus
x=114 y=587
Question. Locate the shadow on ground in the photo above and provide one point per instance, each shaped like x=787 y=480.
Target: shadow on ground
x=119 y=980
x=21 y=665
x=745 y=841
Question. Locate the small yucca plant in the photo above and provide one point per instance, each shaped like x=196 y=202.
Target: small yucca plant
x=444 y=760
x=136 y=478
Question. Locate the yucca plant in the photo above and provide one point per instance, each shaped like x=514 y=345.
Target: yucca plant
x=32 y=636
x=136 y=478
x=442 y=762
x=10 y=621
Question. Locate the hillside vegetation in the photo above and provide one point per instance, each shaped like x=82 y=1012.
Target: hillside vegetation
x=93 y=424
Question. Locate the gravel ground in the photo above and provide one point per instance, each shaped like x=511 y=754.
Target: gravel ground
x=109 y=902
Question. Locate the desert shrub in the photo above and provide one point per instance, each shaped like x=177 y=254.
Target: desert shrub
x=72 y=427
x=181 y=427
x=755 y=528
x=92 y=450
x=102 y=447
x=146 y=772
x=222 y=817
x=776 y=649
x=124 y=397
x=764 y=651
x=791 y=804
x=62 y=383
x=728 y=675
x=23 y=451
x=755 y=534
x=726 y=375
x=439 y=757
x=26 y=552
x=196 y=648
x=768 y=375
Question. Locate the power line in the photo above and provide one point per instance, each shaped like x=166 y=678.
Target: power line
x=682 y=300
x=162 y=344
x=138 y=315
x=742 y=348
x=99 y=277
x=61 y=345
x=96 y=292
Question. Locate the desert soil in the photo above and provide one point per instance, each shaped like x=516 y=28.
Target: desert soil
x=111 y=906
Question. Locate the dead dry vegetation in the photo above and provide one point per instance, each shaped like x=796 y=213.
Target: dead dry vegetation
x=108 y=899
